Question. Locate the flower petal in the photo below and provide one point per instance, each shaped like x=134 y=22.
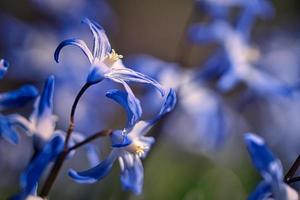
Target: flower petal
x=263 y=159
x=128 y=75
x=169 y=103
x=42 y=116
x=96 y=173
x=76 y=42
x=132 y=175
x=3 y=67
x=37 y=166
x=17 y=98
x=101 y=43
x=168 y=106
x=130 y=104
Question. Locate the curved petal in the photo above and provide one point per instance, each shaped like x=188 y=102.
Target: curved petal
x=130 y=104
x=76 y=42
x=128 y=75
x=263 y=159
x=37 y=166
x=3 y=67
x=101 y=42
x=168 y=106
x=96 y=173
x=17 y=98
x=132 y=174
x=169 y=103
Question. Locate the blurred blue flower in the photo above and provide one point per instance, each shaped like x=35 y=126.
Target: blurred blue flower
x=11 y=100
x=241 y=58
x=41 y=123
x=32 y=174
x=129 y=149
x=105 y=62
x=270 y=169
x=199 y=107
x=17 y=98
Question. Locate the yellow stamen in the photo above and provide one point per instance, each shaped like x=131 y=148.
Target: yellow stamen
x=113 y=56
x=139 y=150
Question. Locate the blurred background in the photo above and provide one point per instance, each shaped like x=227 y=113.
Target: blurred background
x=182 y=164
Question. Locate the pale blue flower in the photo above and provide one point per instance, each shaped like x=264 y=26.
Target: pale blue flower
x=128 y=148
x=270 y=168
x=105 y=62
x=199 y=108
x=11 y=100
x=41 y=123
x=241 y=58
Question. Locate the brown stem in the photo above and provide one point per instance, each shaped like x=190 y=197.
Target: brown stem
x=72 y=115
x=292 y=171
x=293 y=180
x=53 y=174
x=91 y=138
x=61 y=158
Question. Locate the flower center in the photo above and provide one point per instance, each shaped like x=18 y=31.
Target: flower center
x=137 y=149
x=112 y=57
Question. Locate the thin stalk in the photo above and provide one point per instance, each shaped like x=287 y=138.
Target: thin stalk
x=61 y=158
x=72 y=115
x=89 y=139
x=292 y=171
x=293 y=180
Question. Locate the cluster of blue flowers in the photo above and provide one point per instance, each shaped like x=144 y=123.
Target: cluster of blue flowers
x=201 y=90
x=129 y=145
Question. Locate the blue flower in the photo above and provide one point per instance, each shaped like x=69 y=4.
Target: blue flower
x=133 y=146
x=17 y=98
x=105 y=62
x=199 y=107
x=34 y=171
x=240 y=60
x=270 y=169
x=11 y=100
x=41 y=123
x=3 y=67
